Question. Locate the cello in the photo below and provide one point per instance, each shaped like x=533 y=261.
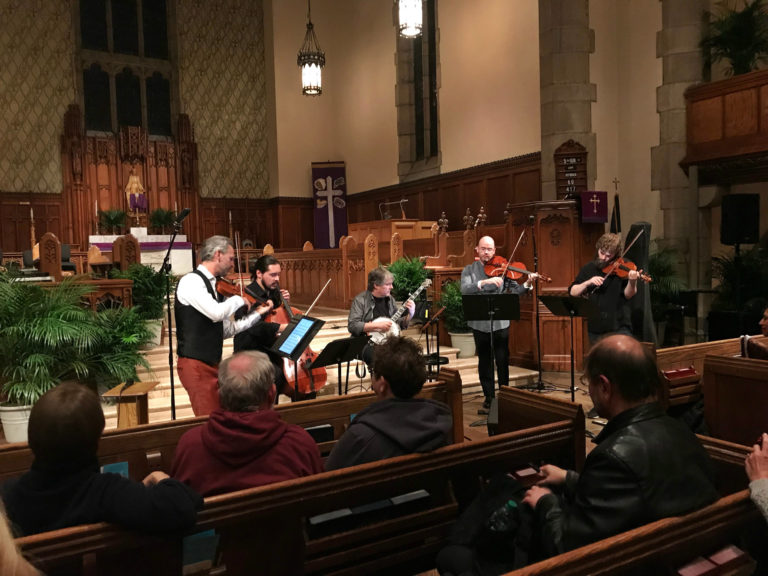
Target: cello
x=300 y=377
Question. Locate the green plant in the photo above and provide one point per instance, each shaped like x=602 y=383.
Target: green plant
x=741 y=279
x=408 y=274
x=738 y=36
x=450 y=297
x=148 y=289
x=162 y=219
x=666 y=282
x=47 y=336
x=112 y=219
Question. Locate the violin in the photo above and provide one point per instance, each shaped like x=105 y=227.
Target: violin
x=227 y=287
x=498 y=266
x=299 y=377
x=621 y=267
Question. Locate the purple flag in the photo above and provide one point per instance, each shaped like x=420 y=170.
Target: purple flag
x=594 y=207
x=329 y=192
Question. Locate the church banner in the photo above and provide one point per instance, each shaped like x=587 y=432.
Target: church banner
x=594 y=207
x=329 y=193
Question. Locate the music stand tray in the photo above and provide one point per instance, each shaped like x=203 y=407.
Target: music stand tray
x=480 y=306
x=573 y=307
x=338 y=351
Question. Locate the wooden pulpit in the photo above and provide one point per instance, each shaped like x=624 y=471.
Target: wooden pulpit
x=133 y=403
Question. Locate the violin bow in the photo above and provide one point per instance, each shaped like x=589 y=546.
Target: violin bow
x=237 y=251
x=317 y=298
x=626 y=249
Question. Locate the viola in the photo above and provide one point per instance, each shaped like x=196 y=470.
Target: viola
x=299 y=376
x=621 y=267
x=498 y=266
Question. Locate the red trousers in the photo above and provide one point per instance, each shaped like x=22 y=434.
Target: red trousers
x=201 y=382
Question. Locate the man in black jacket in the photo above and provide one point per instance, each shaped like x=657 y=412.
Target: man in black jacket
x=646 y=465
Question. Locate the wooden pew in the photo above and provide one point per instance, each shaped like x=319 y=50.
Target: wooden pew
x=152 y=446
x=694 y=354
x=262 y=529
x=520 y=409
x=660 y=547
x=735 y=397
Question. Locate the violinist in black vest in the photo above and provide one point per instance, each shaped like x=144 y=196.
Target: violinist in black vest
x=203 y=320
x=265 y=285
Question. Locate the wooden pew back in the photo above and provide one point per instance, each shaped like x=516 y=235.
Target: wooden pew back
x=262 y=529
x=152 y=446
x=735 y=397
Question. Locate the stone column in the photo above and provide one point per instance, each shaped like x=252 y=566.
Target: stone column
x=677 y=44
x=565 y=43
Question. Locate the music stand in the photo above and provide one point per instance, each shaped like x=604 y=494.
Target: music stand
x=338 y=351
x=572 y=307
x=491 y=306
x=294 y=340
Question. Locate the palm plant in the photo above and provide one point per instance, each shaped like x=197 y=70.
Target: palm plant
x=162 y=219
x=738 y=36
x=741 y=279
x=148 y=289
x=47 y=335
x=112 y=219
x=667 y=283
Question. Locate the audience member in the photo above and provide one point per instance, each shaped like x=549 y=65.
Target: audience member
x=245 y=443
x=764 y=323
x=397 y=423
x=756 y=466
x=645 y=466
x=64 y=486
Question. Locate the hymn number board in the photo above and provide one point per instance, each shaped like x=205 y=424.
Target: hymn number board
x=570 y=169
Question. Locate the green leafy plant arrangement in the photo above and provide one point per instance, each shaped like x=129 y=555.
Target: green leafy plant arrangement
x=148 y=289
x=162 y=219
x=408 y=274
x=450 y=297
x=663 y=265
x=738 y=36
x=112 y=220
x=749 y=274
x=47 y=335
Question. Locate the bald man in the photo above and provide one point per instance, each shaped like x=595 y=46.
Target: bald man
x=645 y=466
x=474 y=280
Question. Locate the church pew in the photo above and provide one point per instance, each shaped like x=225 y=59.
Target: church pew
x=735 y=396
x=152 y=446
x=694 y=354
x=262 y=529
x=660 y=547
x=520 y=409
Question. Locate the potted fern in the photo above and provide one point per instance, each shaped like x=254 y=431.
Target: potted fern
x=458 y=329
x=666 y=285
x=408 y=274
x=162 y=219
x=112 y=220
x=149 y=287
x=47 y=336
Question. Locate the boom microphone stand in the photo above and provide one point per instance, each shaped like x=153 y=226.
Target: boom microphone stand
x=166 y=268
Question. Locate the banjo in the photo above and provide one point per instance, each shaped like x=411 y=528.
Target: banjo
x=394 y=329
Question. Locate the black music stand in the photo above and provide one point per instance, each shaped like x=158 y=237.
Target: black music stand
x=572 y=307
x=294 y=340
x=491 y=306
x=338 y=351
x=433 y=358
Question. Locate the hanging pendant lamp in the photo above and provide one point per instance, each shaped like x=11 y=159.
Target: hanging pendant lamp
x=311 y=59
x=410 y=18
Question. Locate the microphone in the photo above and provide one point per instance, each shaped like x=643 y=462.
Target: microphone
x=434 y=318
x=182 y=215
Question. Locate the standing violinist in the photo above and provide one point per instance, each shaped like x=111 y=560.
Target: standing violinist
x=265 y=285
x=610 y=293
x=203 y=321
x=475 y=280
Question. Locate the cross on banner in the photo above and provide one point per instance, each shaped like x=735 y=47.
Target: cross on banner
x=594 y=206
x=329 y=186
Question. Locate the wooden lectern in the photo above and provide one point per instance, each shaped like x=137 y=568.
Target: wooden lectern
x=133 y=405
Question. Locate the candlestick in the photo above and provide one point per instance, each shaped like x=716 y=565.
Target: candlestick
x=96 y=209
x=175 y=207
x=230 y=217
x=31 y=213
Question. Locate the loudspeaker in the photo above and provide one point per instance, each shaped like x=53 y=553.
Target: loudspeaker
x=493 y=417
x=740 y=219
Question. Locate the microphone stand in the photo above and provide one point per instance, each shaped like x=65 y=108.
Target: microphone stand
x=166 y=269
x=540 y=383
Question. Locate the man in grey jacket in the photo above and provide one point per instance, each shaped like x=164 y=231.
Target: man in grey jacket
x=474 y=280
